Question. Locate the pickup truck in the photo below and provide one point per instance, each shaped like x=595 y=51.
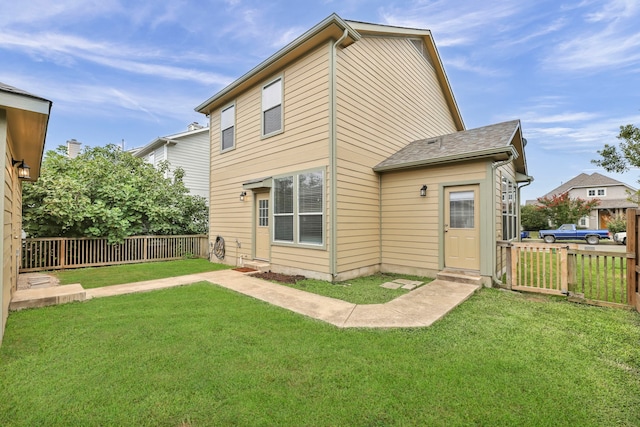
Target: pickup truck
x=571 y=232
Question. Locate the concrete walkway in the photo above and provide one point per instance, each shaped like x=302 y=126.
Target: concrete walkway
x=418 y=308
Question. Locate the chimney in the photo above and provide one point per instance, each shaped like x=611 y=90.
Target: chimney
x=73 y=148
x=194 y=126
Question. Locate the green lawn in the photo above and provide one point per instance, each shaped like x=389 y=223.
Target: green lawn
x=361 y=290
x=96 y=277
x=202 y=355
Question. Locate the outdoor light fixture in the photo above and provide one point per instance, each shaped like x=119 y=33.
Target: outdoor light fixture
x=423 y=191
x=24 y=171
x=244 y=193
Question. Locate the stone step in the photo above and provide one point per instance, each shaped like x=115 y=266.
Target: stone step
x=261 y=266
x=460 y=277
x=42 y=297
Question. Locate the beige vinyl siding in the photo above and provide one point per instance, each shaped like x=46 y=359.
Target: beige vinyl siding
x=304 y=144
x=387 y=96
x=12 y=199
x=411 y=224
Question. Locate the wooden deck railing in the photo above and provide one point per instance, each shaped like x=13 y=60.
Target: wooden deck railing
x=62 y=253
x=596 y=277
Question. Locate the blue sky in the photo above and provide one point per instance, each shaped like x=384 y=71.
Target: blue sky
x=135 y=70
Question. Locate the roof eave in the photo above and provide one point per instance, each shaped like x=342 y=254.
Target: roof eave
x=500 y=153
x=331 y=27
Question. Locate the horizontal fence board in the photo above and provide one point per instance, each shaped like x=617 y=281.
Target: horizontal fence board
x=63 y=253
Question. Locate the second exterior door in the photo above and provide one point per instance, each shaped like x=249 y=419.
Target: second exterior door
x=262 y=237
x=461 y=227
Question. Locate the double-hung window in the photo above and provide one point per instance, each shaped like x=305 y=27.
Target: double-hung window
x=272 y=107
x=299 y=208
x=228 y=128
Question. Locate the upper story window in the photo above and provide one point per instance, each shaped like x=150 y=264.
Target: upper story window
x=596 y=192
x=272 y=107
x=151 y=158
x=228 y=128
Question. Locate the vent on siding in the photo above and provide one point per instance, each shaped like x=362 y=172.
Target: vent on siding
x=419 y=44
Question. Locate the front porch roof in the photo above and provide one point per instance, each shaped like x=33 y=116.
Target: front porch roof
x=496 y=142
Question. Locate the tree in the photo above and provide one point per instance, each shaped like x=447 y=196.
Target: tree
x=614 y=160
x=628 y=156
x=106 y=192
x=532 y=218
x=561 y=209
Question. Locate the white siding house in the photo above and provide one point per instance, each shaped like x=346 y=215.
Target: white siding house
x=188 y=150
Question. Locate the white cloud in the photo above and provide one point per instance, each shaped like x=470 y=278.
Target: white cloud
x=66 y=50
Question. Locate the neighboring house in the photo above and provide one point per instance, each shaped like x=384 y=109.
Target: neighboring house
x=188 y=150
x=24 y=119
x=613 y=196
x=345 y=153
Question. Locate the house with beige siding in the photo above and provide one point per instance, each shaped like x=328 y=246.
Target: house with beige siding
x=188 y=150
x=345 y=154
x=614 y=197
x=24 y=119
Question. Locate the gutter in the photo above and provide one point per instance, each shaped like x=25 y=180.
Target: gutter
x=333 y=156
x=480 y=154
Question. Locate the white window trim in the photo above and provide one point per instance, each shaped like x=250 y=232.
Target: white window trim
x=281 y=130
x=235 y=130
x=595 y=192
x=296 y=211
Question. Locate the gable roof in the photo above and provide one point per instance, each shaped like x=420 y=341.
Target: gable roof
x=169 y=140
x=331 y=28
x=28 y=120
x=498 y=142
x=585 y=180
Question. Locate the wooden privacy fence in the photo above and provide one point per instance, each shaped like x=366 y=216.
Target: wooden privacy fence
x=595 y=277
x=62 y=253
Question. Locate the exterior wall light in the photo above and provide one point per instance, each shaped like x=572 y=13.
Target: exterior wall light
x=423 y=191
x=244 y=193
x=24 y=171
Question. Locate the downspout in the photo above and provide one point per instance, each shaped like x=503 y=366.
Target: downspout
x=494 y=167
x=333 y=156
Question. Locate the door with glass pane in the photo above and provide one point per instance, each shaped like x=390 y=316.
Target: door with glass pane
x=262 y=226
x=461 y=228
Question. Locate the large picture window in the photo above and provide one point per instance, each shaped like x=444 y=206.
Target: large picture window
x=227 y=126
x=299 y=208
x=272 y=107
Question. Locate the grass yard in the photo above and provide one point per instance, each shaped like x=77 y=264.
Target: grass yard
x=201 y=355
x=97 y=277
x=361 y=290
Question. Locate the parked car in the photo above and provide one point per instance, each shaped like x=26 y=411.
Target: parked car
x=571 y=232
x=524 y=235
x=620 y=238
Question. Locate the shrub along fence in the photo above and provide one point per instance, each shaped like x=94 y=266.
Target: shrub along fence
x=60 y=253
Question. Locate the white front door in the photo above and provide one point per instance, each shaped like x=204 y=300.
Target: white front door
x=461 y=228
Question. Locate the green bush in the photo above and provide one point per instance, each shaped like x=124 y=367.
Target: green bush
x=617 y=224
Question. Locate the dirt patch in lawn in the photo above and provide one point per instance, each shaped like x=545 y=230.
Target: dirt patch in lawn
x=277 y=277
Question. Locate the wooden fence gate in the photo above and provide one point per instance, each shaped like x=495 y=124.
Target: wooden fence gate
x=601 y=277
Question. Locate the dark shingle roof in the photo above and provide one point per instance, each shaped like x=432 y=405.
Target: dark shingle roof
x=7 y=88
x=585 y=180
x=474 y=143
